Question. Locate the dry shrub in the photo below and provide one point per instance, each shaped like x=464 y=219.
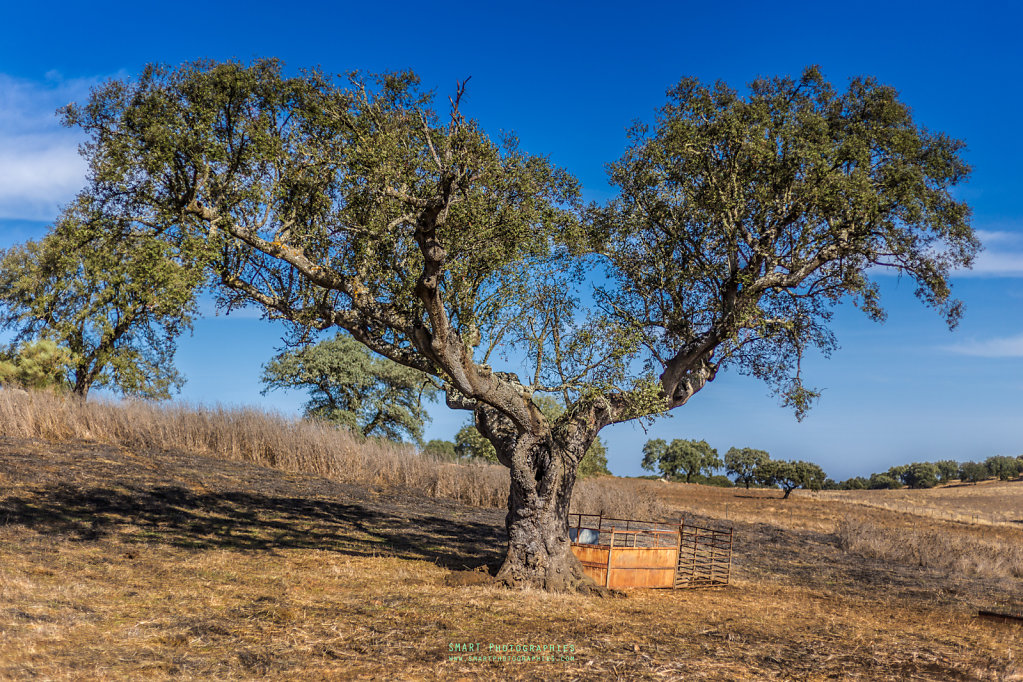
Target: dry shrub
x=946 y=551
x=617 y=498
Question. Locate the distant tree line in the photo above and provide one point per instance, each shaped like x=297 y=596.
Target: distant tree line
x=930 y=474
x=696 y=462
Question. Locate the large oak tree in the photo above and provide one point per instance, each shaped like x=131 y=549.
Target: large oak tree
x=741 y=220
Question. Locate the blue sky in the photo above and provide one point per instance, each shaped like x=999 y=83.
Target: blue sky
x=568 y=79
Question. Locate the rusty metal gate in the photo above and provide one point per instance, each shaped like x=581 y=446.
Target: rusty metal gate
x=704 y=556
x=623 y=553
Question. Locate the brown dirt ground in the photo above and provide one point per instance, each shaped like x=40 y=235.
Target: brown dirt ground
x=122 y=565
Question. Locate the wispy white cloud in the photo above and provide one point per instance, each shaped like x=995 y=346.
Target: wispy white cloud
x=1000 y=238
x=1005 y=347
x=1002 y=255
x=40 y=169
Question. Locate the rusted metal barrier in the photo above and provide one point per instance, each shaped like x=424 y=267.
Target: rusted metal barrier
x=704 y=556
x=623 y=553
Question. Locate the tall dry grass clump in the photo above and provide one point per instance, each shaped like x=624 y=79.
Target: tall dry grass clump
x=618 y=498
x=273 y=440
x=935 y=548
x=249 y=435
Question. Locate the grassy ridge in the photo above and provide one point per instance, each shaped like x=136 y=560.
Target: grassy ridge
x=293 y=445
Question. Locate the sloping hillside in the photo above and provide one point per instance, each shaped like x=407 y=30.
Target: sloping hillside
x=122 y=564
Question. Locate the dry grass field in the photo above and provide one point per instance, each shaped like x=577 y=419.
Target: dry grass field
x=123 y=561
x=987 y=502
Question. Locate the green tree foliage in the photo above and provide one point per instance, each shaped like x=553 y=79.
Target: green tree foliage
x=442 y=449
x=854 y=483
x=740 y=221
x=594 y=462
x=883 y=482
x=973 y=472
x=765 y=474
x=791 y=475
x=899 y=473
x=680 y=459
x=1002 y=467
x=470 y=444
x=117 y=303
x=742 y=463
x=921 y=475
x=748 y=217
x=38 y=364
x=948 y=470
x=354 y=388
x=717 y=480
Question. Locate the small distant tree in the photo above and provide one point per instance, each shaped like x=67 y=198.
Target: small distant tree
x=354 y=388
x=115 y=301
x=680 y=458
x=39 y=364
x=854 y=483
x=470 y=444
x=442 y=449
x=796 y=474
x=973 y=472
x=948 y=470
x=884 y=482
x=742 y=463
x=594 y=462
x=921 y=475
x=1002 y=467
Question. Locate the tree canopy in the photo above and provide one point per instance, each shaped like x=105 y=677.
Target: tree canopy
x=921 y=475
x=1002 y=467
x=743 y=464
x=741 y=219
x=680 y=459
x=792 y=474
x=350 y=387
x=115 y=301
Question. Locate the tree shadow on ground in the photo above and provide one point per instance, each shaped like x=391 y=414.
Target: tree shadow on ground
x=237 y=520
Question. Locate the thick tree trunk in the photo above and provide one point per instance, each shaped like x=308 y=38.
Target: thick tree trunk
x=82 y=384
x=539 y=549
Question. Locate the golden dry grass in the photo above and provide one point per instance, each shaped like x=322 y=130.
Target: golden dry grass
x=272 y=440
x=880 y=524
x=148 y=559
x=308 y=614
x=185 y=567
x=987 y=502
